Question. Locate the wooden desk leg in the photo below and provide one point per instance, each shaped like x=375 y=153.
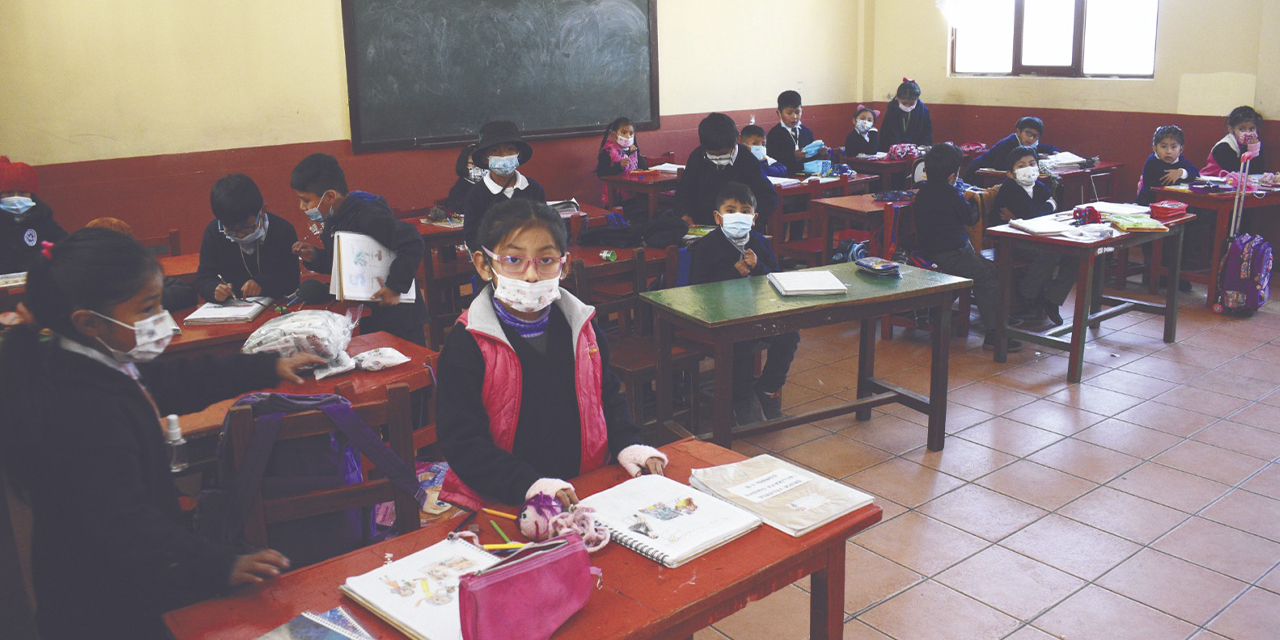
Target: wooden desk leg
x=1004 y=266
x=663 y=369
x=1156 y=268
x=653 y=204
x=1095 y=301
x=1084 y=302
x=1175 y=272
x=828 y=236
x=1219 y=244
x=866 y=361
x=826 y=602
x=722 y=396
x=941 y=317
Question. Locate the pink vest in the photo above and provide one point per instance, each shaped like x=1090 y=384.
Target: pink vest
x=502 y=387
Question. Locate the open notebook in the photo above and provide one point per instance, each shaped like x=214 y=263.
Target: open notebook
x=668 y=522
x=418 y=594
x=817 y=282
x=228 y=312
x=360 y=268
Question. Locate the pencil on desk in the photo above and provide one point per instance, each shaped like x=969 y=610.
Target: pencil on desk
x=500 y=531
x=509 y=545
x=498 y=513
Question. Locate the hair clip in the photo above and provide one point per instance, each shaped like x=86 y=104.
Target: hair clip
x=46 y=249
x=862 y=107
x=906 y=79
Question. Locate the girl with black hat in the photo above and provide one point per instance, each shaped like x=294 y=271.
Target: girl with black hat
x=501 y=150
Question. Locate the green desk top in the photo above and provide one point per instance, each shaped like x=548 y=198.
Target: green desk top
x=748 y=299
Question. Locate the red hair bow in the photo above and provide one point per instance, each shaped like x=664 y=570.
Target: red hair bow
x=906 y=79
x=45 y=249
x=862 y=107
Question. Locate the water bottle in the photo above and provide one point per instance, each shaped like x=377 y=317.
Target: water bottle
x=177 y=444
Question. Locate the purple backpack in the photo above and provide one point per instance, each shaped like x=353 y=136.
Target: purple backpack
x=1245 y=283
x=292 y=467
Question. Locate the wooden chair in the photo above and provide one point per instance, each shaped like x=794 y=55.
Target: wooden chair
x=964 y=302
x=809 y=249
x=168 y=244
x=392 y=413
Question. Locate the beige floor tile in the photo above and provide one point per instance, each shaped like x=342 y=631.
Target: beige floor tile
x=1246 y=511
x=962 y=459
x=930 y=611
x=1162 y=417
x=1236 y=553
x=1241 y=438
x=1205 y=634
x=959 y=417
x=1255 y=616
x=798 y=395
x=1263 y=416
x=858 y=630
x=1096 y=362
x=1271 y=581
x=1065 y=544
x=836 y=456
x=905 y=482
x=1224 y=381
x=1185 y=353
x=1267 y=352
x=920 y=543
x=1088 y=461
x=1037 y=484
x=710 y=633
x=991 y=398
x=747 y=449
x=1095 y=612
x=1124 y=515
x=1101 y=401
x=1250 y=367
x=1173 y=586
x=1131 y=342
x=888 y=508
x=1052 y=416
x=982 y=512
x=1009 y=582
x=1267 y=482
x=1030 y=633
x=1133 y=384
x=1128 y=438
x=888 y=433
x=781 y=615
x=1169 y=487
x=1208 y=461
x=1224 y=342
x=1009 y=436
x=1218 y=405
x=788 y=438
x=870 y=579
x=1169 y=370
x=1031 y=382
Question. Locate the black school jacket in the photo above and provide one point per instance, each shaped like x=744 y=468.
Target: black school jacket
x=941 y=215
x=780 y=146
x=855 y=144
x=919 y=127
x=20 y=241
x=1021 y=204
x=702 y=180
x=273 y=265
x=1153 y=171
x=110 y=553
x=997 y=157
x=713 y=257
x=480 y=199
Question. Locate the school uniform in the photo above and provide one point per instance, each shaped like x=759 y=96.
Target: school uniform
x=997 y=157
x=782 y=143
x=1153 y=171
x=512 y=410
x=702 y=181
x=614 y=160
x=862 y=143
x=369 y=214
x=110 y=552
x=772 y=168
x=901 y=127
x=712 y=259
x=1224 y=159
x=941 y=217
x=20 y=240
x=456 y=201
x=1039 y=280
x=271 y=264
x=486 y=193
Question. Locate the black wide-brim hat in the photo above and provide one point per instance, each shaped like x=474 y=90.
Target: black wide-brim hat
x=497 y=133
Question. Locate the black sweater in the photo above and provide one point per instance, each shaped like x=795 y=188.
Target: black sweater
x=997 y=157
x=606 y=167
x=702 y=180
x=548 y=442
x=1021 y=204
x=855 y=144
x=456 y=201
x=20 y=241
x=273 y=265
x=368 y=214
x=941 y=215
x=918 y=129
x=479 y=199
x=110 y=552
x=780 y=146
x=1229 y=160
x=1153 y=172
x=714 y=255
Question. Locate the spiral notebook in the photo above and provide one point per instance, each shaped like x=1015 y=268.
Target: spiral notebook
x=666 y=521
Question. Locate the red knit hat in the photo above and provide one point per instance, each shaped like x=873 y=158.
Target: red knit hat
x=17 y=176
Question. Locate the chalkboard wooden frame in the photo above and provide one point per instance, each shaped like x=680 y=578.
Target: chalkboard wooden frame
x=359 y=145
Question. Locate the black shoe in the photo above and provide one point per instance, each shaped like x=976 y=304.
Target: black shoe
x=1024 y=309
x=770 y=405
x=990 y=343
x=1051 y=310
x=747 y=411
x=1184 y=286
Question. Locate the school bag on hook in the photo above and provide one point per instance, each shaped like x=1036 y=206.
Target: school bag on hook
x=1244 y=277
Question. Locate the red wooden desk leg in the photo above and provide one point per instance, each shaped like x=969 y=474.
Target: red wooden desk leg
x=1219 y=244
x=653 y=204
x=722 y=396
x=826 y=603
x=1079 y=324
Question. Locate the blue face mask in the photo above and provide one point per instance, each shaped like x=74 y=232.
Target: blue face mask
x=314 y=214
x=736 y=225
x=504 y=165
x=252 y=238
x=758 y=151
x=17 y=206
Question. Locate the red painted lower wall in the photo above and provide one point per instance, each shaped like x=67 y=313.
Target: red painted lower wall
x=157 y=193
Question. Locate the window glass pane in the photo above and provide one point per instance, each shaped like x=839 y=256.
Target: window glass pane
x=1120 y=37
x=1048 y=32
x=984 y=35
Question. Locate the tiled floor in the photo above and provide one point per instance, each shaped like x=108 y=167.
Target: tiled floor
x=1142 y=503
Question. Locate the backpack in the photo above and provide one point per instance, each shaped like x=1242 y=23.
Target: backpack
x=304 y=465
x=1245 y=276
x=848 y=251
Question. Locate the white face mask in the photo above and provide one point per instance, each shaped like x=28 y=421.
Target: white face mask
x=723 y=160
x=150 y=336
x=862 y=126
x=1027 y=176
x=523 y=296
x=625 y=142
x=736 y=225
x=758 y=151
x=910 y=108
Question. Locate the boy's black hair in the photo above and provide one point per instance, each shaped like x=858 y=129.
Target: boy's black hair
x=1017 y=154
x=94 y=269
x=464 y=155
x=908 y=89
x=752 y=130
x=613 y=127
x=1168 y=131
x=942 y=160
x=1030 y=122
x=736 y=191
x=234 y=199
x=1244 y=114
x=717 y=131
x=509 y=216
x=318 y=173
x=790 y=99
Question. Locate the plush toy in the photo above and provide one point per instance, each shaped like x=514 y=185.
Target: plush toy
x=543 y=517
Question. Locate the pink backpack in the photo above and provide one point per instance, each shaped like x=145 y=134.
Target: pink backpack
x=1245 y=281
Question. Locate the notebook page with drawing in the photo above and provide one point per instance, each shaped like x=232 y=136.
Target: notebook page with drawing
x=360 y=268
x=228 y=312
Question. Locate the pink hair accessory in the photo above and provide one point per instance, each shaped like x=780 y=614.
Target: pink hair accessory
x=863 y=107
x=46 y=249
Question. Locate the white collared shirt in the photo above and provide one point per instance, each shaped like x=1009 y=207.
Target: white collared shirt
x=795 y=133
x=493 y=187
x=126 y=368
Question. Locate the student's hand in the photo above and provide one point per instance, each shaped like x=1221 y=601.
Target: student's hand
x=743 y=268
x=289 y=368
x=567 y=497
x=1171 y=176
x=255 y=568
x=687 y=220
x=801 y=155
x=750 y=258
x=305 y=251
x=222 y=292
x=655 y=466
x=386 y=297
x=250 y=289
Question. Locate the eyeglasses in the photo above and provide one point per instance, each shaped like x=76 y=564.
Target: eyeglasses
x=241 y=231
x=517 y=266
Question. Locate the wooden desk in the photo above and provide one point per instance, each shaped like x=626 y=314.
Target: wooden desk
x=725 y=313
x=1086 y=184
x=649 y=183
x=229 y=337
x=1221 y=203
x=886 y=169
x=182 y=267
x=879 y=216
x=1089 y=296
x=640 y=599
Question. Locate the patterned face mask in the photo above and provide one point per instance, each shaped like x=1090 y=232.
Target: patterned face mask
x=150 y=337
x=523 y=296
